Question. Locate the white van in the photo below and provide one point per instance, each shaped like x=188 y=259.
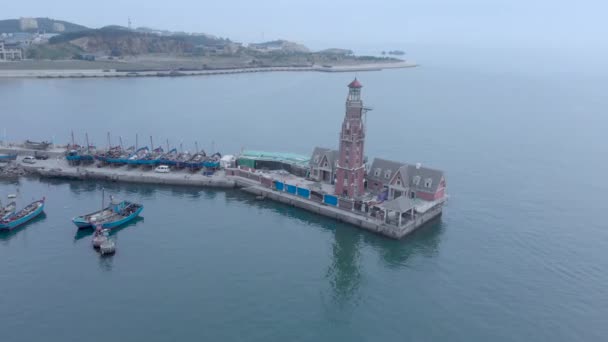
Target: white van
x=29 y=160
x=162 y=169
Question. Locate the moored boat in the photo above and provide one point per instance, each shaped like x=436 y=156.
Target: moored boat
x=139 y=155
x=111 y=217
x=99 y=236
x=169 y=158
x=107 y=247
x=22 y=216
x=197 y=160
x=35 y=145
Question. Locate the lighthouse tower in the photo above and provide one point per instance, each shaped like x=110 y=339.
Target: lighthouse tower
x=350 y=170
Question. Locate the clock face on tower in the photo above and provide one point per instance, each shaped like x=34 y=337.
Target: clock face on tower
x=351 y=169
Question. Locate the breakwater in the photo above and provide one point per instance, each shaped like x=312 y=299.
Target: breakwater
x=109 y=73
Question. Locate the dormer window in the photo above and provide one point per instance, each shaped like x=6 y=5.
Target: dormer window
x=387 y=174
x=428 y=182
x=377 y=172
x=398 y=182
x=325 y=164
x=416 y=180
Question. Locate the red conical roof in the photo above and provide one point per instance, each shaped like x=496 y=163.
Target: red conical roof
x=355 y=84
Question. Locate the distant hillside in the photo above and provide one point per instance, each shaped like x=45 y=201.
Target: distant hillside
x=47 y=25
x=282 y=45
x=120 y=41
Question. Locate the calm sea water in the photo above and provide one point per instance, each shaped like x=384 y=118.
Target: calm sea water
x=519 y=254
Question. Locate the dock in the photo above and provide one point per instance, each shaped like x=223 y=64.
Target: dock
x=57 y=167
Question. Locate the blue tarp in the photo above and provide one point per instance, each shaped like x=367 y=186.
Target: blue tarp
x=291 y=189
x=331 y=200
x=278 y=185
x=304 y=192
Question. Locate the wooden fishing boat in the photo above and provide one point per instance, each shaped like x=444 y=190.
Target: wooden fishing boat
x=8 y=157
x=169 y=158
x=113 y=216
x=152 y=158
x=197 y=160
x=8 y=210
x=35 y=145
x=80 y=155
x=22 y=216
x=139 y=155
x=182 y=159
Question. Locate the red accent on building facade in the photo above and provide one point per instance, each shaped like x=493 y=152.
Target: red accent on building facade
x=350 y=171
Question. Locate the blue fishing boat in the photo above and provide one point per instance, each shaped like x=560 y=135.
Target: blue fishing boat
x=22 y=216
x=197 y=161
x=136 y=157
x=8 y=157
x=182 y=159
x=152 y=159
x=169 y=158
x=110 y=217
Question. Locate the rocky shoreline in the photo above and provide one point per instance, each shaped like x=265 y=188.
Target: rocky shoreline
x=12 y=170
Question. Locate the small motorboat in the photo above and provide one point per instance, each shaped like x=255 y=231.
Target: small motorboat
x=23 y=216
x=99 y=236
x=107 y=247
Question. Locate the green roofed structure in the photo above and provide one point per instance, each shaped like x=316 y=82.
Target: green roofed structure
x=296 y=164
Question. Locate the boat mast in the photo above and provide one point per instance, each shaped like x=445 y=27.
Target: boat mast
x=103 y=195
x=136 y=141
x=86 y=135
x=73 y=144
x=196 y=147
x=109 y=142
x=120 y=140
x=151 y=144
x=167 y=145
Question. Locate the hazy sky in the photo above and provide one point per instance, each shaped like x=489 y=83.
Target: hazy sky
x=347 y=22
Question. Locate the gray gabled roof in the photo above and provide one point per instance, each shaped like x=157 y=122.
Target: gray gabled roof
x=331 y=155
x=400 y=204
x=383 y=165
x=412 y=171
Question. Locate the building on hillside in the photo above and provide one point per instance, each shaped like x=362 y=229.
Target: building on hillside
x=58 y=27
x=323 y=164
x=26 y=24
x=350 y=170
x=10 y=52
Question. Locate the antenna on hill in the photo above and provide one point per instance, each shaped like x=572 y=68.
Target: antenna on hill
x=129 y=22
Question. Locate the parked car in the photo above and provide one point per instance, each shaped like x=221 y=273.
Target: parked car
x=41 y=156
x=29 y=160
x=162 y=169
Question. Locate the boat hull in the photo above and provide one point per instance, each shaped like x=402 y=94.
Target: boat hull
x=8 y=225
